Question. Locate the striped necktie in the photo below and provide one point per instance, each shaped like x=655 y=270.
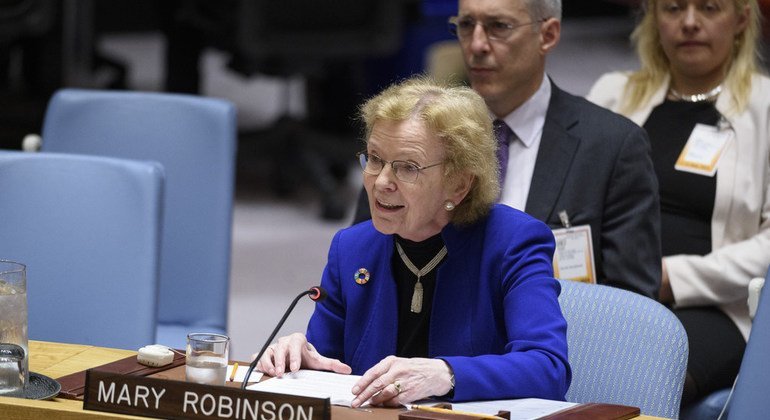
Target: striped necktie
x=504 y=135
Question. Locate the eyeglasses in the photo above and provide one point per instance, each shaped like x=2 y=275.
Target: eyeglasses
x=404 y=171
x=498 y=30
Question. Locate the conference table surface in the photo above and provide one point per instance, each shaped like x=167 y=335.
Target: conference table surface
x=58 y=359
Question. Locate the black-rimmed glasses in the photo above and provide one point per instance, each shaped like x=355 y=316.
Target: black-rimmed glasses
x=498 y=30
x=404 y=171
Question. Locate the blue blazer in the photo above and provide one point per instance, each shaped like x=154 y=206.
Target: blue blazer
x=495 y=316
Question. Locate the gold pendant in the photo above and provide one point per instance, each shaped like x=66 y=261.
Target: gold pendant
x=417 y=298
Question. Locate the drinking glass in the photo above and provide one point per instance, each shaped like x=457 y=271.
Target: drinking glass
x=14 y=353
x=206 y=358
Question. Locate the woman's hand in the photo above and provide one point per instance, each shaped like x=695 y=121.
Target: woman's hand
x=295 y=351
x=395 y=381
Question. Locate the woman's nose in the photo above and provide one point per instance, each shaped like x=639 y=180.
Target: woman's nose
x=691 y=17
x=386 y=178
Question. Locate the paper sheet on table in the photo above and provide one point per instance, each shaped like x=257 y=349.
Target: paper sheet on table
x=312 y=383
x=521 y=409
x=241 y=373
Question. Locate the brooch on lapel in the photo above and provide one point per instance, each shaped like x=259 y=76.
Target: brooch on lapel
x=361 y=276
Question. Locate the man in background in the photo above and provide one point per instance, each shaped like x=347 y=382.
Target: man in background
x=563 y=160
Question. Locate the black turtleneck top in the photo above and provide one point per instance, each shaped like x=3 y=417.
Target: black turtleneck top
x=413 y=327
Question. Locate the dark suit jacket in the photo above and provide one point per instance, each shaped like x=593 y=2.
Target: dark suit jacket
x=596 y=165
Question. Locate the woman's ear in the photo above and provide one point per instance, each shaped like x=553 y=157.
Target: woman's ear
x=462 y=185
x=742 y=21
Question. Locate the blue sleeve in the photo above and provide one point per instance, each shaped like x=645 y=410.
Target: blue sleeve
x=534 y=363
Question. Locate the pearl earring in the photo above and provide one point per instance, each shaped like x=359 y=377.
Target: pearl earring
x=449 y=206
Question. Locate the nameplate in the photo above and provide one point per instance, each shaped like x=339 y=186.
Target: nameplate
x=160 y=398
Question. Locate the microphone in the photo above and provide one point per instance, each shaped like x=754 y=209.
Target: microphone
x=316 y=293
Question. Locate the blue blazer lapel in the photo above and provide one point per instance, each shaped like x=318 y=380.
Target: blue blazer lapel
x=378 y=328
x=554 y=158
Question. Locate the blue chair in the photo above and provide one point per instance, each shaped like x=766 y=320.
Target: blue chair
x=623 y=348
x=88 y=229
x=194 y=138
x=718 y=404
x=750 y=400
x=708 y=408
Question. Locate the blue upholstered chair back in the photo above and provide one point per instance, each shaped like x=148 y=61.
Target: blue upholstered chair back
x=751 y=399
x=194 y=138
x=88 y=229
x=624 y=349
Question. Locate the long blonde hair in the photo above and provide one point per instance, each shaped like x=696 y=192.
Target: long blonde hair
x=655 y=65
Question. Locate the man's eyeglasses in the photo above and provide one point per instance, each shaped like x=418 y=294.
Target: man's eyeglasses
x=404 y=171
x=498 y=30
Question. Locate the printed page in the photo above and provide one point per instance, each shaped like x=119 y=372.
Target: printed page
x=312 y=383
x=240 y=374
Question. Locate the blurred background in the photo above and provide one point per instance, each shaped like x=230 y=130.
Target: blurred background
x=296 y=71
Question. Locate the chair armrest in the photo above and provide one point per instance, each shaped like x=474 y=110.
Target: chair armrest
x=755 y=288
x=31 y=143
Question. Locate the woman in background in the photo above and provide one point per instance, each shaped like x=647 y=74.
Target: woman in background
x=699 y=86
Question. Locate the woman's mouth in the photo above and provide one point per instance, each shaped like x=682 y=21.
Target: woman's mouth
x=387 y=206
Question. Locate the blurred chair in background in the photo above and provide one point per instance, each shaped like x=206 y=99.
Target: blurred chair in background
x=752 y=381
x=425 y=26
x=623 y=348
x=88 y=229
x=751 y=399
x=27 y=45
x=325 y=43
x=194 y=138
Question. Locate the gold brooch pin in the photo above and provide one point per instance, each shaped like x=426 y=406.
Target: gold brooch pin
x=361 y=276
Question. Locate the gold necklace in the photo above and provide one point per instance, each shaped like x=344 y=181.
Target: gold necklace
x=417 y=294
x=698 y=97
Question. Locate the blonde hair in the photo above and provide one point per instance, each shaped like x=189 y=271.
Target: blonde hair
x=460 y=119
x=655 y=65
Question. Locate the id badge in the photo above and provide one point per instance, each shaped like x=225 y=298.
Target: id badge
x=703 y=150
x=574 y=256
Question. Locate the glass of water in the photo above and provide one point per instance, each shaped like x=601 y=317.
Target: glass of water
x=206 y=358
x=14 y=353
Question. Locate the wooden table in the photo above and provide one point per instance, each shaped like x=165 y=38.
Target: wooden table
x=57 y=359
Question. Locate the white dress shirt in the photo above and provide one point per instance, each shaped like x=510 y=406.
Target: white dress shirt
x=527 y=122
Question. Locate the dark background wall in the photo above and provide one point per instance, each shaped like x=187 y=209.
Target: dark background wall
x=34 y=52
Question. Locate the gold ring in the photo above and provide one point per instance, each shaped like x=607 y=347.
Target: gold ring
x=397 y=385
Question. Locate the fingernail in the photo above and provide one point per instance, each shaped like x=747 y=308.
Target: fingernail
x=354 y=403
x=356 y=390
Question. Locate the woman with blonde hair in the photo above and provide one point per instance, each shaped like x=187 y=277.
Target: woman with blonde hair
x=705 y=106
x=443 y=293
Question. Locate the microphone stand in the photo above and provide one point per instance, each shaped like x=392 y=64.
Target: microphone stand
x=272 y=335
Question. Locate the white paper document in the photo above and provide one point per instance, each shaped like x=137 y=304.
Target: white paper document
x=240 y=374
x=521 y=409
x=336 y=387
x=312 y=383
